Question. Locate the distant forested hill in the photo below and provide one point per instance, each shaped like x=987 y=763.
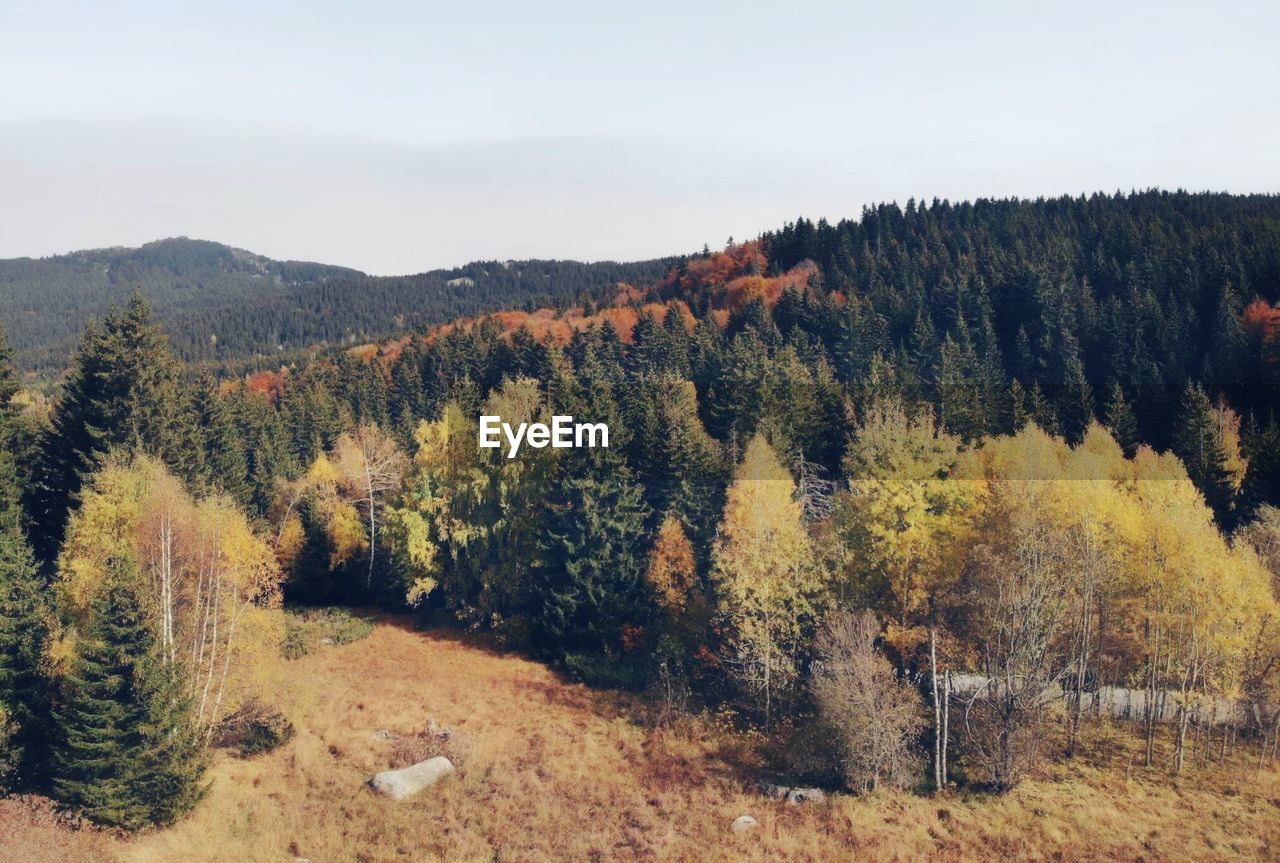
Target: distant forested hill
x=224 y=305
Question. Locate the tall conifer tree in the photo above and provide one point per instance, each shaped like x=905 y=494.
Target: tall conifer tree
x=1197 y=443
x=223 y=458
x=128 y=756
x=24 y=684
x=123 y=392
x=1121 y=420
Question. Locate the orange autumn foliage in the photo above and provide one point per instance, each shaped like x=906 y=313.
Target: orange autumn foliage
x=269 y=384
x=730 y=279
x=734 y=277
x=1262 y=319
x=558 y=328
x=364 y=352
x=716 y=269
x=770 y=289
x=391 y=351
x=628 y=294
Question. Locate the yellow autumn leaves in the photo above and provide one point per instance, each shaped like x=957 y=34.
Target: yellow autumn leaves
x=211 y=584
x=1147 y=592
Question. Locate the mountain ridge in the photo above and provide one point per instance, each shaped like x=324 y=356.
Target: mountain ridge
x=230 y=306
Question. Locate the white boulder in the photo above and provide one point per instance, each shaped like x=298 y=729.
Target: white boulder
x=400 y=784
x=744 y=824
x=796 y=796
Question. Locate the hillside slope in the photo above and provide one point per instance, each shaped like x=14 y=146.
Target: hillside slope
x=221 y=304
x=562 y=772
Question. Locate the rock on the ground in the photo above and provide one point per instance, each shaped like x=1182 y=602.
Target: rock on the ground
x=768 y=789
x=400 y=784
x=743 y=824
x=794 y=796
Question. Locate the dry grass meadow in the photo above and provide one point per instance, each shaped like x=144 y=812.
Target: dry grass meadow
x=558 y=772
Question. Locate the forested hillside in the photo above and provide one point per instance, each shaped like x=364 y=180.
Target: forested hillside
x=912 y=502
x=228 y=306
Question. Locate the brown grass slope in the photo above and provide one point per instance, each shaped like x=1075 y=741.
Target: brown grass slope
x=559 y=772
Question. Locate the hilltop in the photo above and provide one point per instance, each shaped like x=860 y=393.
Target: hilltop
x=228 y=306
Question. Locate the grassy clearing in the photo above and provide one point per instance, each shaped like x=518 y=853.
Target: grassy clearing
x=308 y=628
x=32 y=831
x=559 y=772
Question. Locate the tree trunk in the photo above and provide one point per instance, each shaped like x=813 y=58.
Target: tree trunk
x=1082 y=664
x=373 y=531
x=222 y=684
x=1151 y=707
x=1099 y=650
x=937 y=711
x=946 y=722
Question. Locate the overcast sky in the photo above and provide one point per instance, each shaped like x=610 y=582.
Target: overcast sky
x=400 y=136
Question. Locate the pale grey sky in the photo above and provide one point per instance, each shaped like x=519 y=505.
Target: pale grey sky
x=398 y=136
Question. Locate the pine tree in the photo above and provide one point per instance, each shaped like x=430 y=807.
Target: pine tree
x=1262 y=478
x=408 y=395
x=1227 y=342
x=1196 y=442
x=1018 y=414
x=963 y=410
x=24 y=686
x=128 y=756
x=123 y=392
x=1043 y=412
x=223 y=460
x=1121 y=420
x=590 y=579
x=9 y=387
x=1075 y=404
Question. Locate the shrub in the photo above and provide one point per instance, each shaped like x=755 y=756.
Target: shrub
x=875 y=715
x=1004 y=726
x=308 y=628
x=605 y=673
x=407 y=749
x=253 y=729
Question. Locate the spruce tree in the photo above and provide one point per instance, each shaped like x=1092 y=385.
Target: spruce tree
x=18 y=435
x=24 y=685
x=1262 y=478
x=1228 y=345
x=1197 y=443
x=1043 y=412
x=677 y=463
x=408 y=397
x=1075 y=405
x=1121 y=420
x=223 y=459
x=1018 y=414
x=123 y=392
x=9 y=387
x=590 y=579
x=647 y=352
x=128 y=755
x=962 y=408
x=677 y=341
